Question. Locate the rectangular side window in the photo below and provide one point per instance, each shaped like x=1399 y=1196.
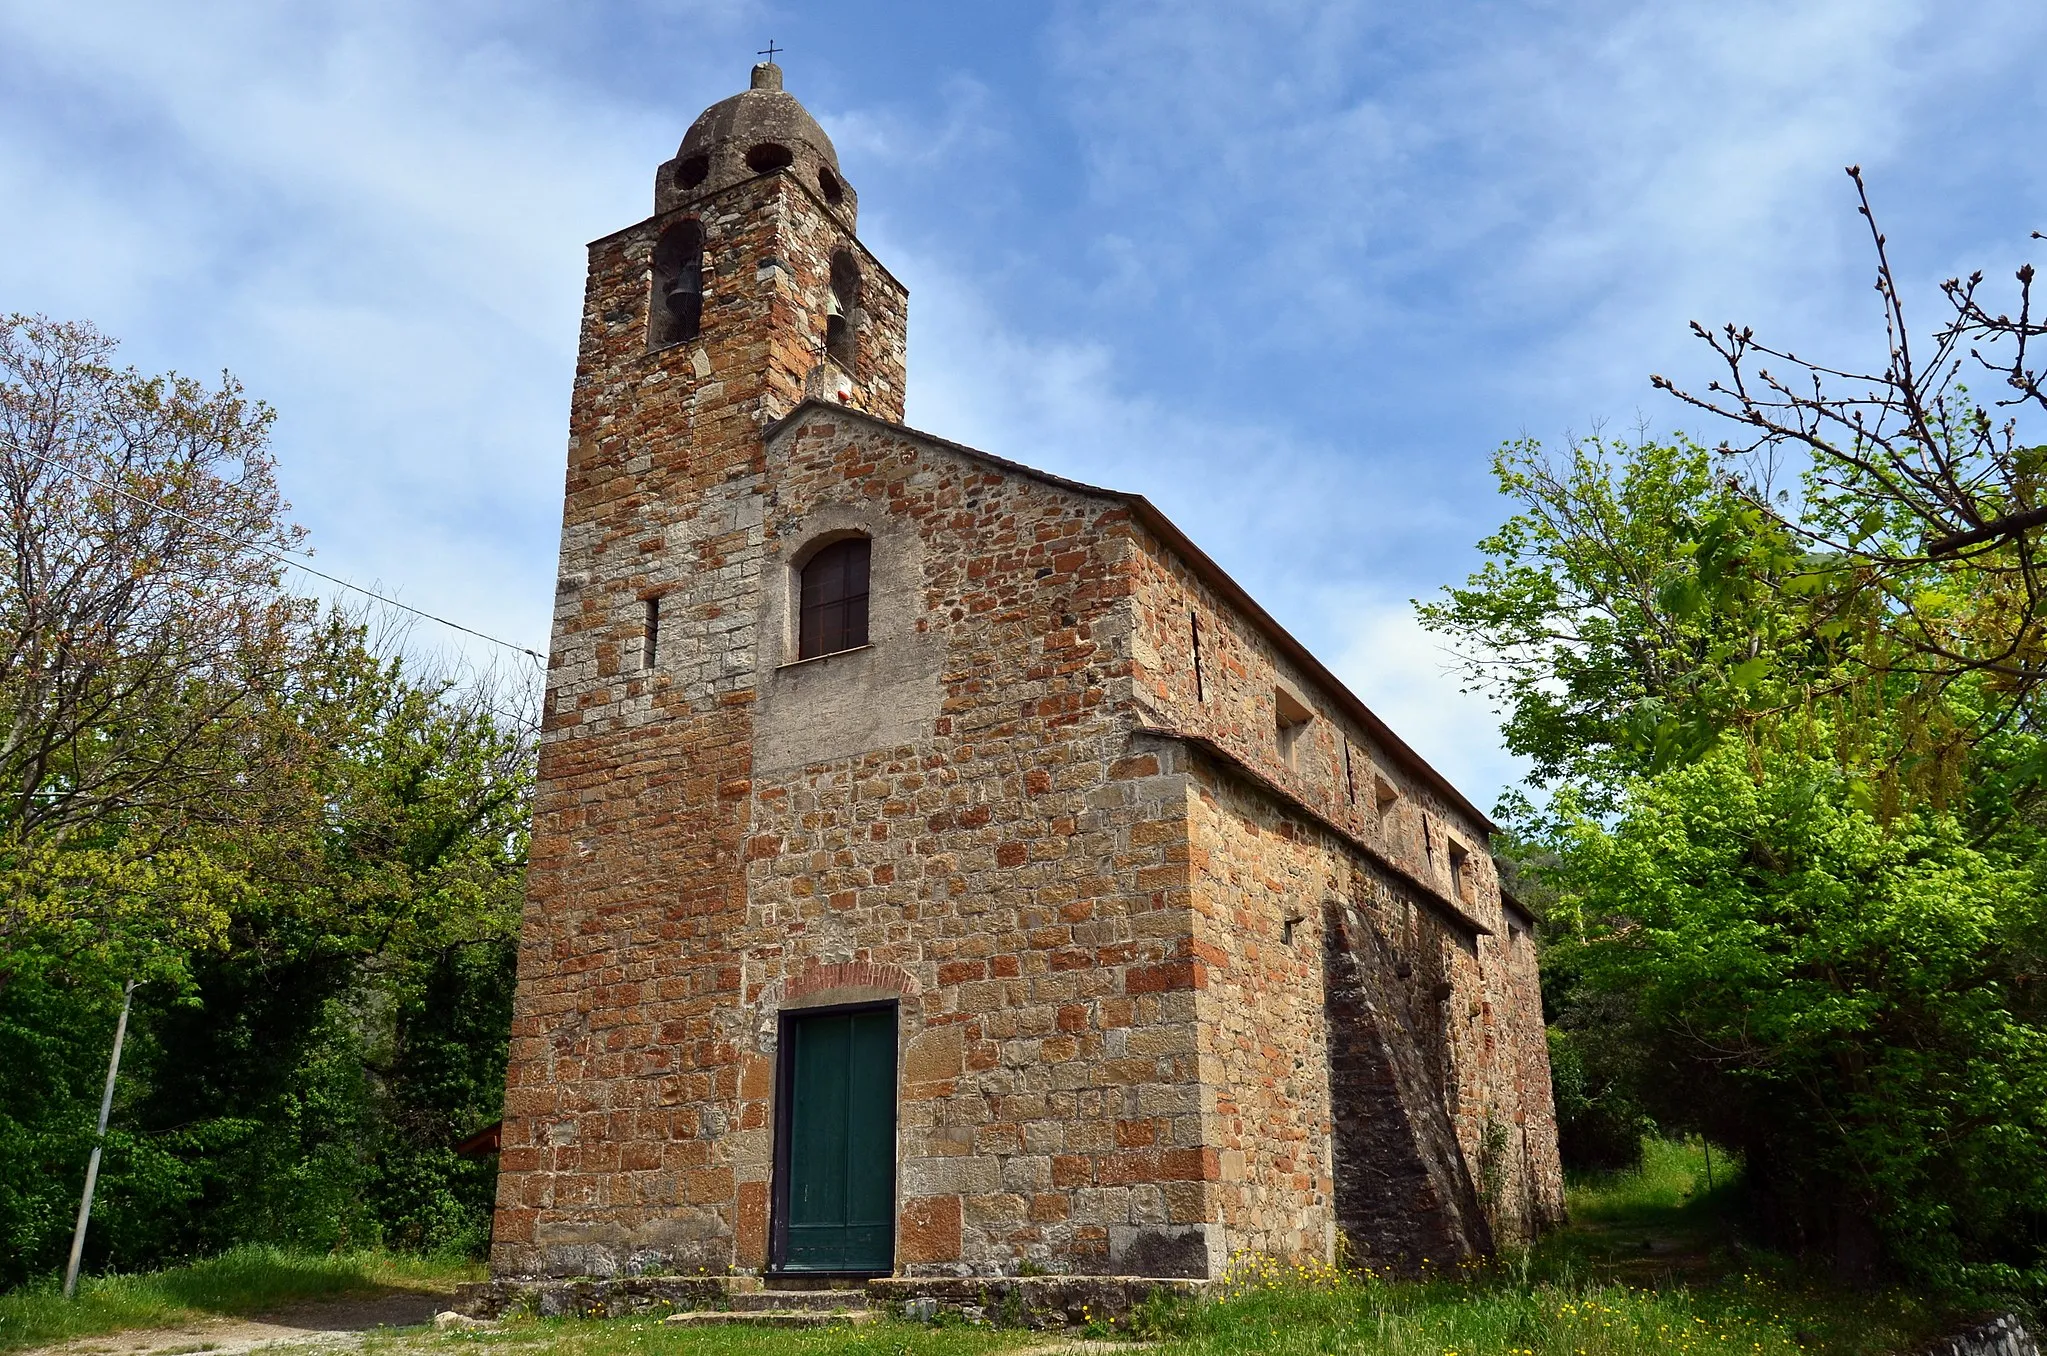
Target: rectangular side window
x=1460 y=871
x=1291 y=719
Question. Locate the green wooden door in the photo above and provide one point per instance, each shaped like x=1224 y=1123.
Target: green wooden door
x=842 y=1142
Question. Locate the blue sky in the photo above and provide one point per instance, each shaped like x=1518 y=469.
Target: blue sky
x=1293 y=270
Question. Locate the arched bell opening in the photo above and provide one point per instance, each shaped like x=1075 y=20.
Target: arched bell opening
x=842 y=312
x=676 y=310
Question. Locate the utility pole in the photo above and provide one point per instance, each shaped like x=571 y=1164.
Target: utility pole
x=92 y=1166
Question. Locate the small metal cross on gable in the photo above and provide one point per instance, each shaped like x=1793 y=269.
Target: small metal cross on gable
x=770 y=50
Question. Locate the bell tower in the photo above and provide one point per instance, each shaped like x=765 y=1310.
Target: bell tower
x=750 y=267
x=744 y=294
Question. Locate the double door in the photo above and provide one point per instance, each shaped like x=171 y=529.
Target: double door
x=836 y=1141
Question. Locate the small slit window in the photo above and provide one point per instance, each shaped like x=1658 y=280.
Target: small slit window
x=676 y=311
x=1460 y=871
x=651 y=652
x=1292 y=718
x=842 y=312
x=832 y=614
x=1385 y=796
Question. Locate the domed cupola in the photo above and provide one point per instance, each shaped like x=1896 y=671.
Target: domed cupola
x=755 y=132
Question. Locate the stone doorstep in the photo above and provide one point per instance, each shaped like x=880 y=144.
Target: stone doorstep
x=1067 y=1301
x=786 y=1318
x=607 y=1297
x=1034 y=1301
x=787 y=1301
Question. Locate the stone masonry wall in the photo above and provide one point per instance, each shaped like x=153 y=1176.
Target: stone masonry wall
x=1022 y=874
x=2003 y=1335
x=1259 y=879
x=643 y=798
x=1339 y=819
x=1144 y=952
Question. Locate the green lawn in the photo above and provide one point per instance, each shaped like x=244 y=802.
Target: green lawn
x=245 y=1281
x=1649 y=1264
x=649 y=1337
x=1504 y=1314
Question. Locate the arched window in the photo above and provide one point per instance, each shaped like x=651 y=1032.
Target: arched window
x=842 y=312
x=832 y=614
x=677 y=310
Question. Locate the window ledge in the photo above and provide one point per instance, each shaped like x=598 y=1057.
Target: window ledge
x=821 y=658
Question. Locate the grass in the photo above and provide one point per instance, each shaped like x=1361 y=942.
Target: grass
x=649 y=1337
x=1650 y=1264
x=1661 y=1224
x=246 y=1280
x=1672 y=1182
x=1510 y=1312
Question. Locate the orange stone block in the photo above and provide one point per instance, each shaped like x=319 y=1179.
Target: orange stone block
x=928 y=1230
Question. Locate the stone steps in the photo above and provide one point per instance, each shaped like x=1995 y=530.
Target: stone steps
x=791 y=1301
x=770 y=1318
x=1044 y=1302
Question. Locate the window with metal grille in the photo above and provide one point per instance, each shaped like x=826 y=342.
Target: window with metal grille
x=833 y=613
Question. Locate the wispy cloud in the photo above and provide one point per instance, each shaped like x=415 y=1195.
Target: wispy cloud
x=374 y=216
x=1408 y=677
x=1292 y=269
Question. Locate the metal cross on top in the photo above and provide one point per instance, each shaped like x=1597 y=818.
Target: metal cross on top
x=770 y=50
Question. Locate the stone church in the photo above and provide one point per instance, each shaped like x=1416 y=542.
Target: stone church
x=943 y=868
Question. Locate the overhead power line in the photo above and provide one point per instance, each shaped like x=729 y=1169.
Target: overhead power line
x=292 y=559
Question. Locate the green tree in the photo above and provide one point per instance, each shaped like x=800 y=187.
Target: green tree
x=142 y=628
x=1849 y=1001
x=311 y=850
x=1753 y=933
x=308 y=1080
x=1905 y=468
x=1632 y=609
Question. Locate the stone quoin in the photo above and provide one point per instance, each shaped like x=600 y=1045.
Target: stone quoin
x=942 y=868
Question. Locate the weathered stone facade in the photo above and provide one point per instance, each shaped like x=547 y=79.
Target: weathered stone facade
x=1188 y=955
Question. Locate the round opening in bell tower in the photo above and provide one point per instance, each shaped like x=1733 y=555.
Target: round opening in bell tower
x=761 y=130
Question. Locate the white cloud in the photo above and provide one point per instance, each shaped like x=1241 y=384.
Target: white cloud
x=1546 y=192
x=1313 y=261
x=373 y=215
x=1411 y=682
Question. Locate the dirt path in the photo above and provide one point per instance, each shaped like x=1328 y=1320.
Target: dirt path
x=329 y=1325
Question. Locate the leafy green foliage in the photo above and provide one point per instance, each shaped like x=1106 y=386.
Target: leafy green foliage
x=307 y=1084
x=1600 y=1117
x=1629 y=613
x=1790 y=875
x=309 y=853
x=144 y=640
x=1840 y=997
